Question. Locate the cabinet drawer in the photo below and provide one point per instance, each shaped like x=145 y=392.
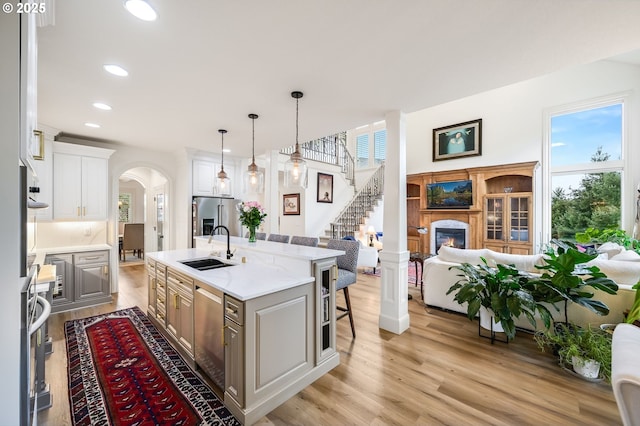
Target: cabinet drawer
x=91 y=257
x=234 y=310
x=151 y=267
x=180 y=280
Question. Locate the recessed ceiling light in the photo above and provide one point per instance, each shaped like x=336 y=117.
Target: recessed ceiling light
x=115 y=70
x=226 y=150
x=141 y=9
x=94 y=125
x=102 y=106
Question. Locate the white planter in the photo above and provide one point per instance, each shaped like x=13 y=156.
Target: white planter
x=586 y=367
x=485 y=321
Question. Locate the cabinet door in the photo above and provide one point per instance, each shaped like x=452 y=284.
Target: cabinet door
x=234 y=361
x=63 y=291
x=67 y=189
x=494 y=209
x=91 y=281
x=185 y=318
x=519 y=219
x=325 y=275
x=203 y=177
x=173 y=320
x=94 y=188
x=151 y=288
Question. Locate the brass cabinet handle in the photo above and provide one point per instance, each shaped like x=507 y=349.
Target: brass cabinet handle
x=105 y=269
x=78 y=210
x=84 y=211
x=222 y=336
x=175 y=301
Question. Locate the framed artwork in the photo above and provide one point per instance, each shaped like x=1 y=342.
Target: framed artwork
x=291 y=204
x=458 y=140
x=37 y=145
x=325 y=188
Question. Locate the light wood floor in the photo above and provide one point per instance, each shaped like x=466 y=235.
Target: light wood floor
x=437 y=372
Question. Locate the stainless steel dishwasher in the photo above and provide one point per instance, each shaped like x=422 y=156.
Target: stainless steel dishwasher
x=209 y=349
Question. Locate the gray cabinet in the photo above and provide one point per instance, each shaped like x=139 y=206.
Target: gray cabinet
x=180 y=309
x=234 y=349
x=151 y=287
x=82 y=279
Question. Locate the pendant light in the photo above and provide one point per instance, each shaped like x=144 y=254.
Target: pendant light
x=254 y=177
x=223 y=183
x=295 y=169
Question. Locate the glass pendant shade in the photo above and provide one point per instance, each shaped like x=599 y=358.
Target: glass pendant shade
x=253 y=177
x=223 y=183
x=295 y=169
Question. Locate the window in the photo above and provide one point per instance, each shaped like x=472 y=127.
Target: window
x=586 y=168
x=124 y=207
x=362 y=150
x=379 y=146
x=371 y=145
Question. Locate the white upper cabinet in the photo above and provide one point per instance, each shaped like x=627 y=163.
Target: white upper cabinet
x=204 y=177
x=80 y=182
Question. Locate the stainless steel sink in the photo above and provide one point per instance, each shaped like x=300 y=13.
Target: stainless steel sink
x=204 y=263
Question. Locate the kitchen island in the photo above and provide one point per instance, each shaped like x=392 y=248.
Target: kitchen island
x=270 y=328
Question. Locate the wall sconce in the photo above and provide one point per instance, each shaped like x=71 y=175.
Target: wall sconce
x=421 y=229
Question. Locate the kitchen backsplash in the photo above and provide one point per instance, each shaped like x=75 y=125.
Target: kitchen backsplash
x=63 y=234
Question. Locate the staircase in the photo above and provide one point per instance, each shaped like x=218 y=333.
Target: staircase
x=349 y=220
x=333 y=150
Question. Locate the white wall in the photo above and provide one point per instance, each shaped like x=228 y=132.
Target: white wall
x=512 y=120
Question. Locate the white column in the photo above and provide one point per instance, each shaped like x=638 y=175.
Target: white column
x=394 y=258
x=271 y=193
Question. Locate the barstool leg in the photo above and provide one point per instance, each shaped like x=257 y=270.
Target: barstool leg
x=348 y=302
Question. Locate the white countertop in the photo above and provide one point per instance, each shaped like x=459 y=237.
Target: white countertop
x=243 y=281
x=278 y=249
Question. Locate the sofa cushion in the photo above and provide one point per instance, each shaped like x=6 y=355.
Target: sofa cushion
x=456 y=255
x=625 y=274
x=627 y=256
x=522 y=262
x=611 y=249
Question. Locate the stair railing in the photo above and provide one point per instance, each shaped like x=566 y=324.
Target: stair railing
x=329 y=150
x=352 y=216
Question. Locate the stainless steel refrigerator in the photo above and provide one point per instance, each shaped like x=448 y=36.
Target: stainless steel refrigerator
x=209 y=212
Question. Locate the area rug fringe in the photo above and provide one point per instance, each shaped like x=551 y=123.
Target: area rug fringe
x=88 y=396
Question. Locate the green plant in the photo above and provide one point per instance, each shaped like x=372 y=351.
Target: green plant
x=586 y=343
x=600 y=236
x=498 y=289
x=565 y=279
x=634 y=312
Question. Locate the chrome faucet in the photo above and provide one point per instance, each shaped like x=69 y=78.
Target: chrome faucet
x=229 y=254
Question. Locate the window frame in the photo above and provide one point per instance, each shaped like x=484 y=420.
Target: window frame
x=618 y=165
x=370 y=130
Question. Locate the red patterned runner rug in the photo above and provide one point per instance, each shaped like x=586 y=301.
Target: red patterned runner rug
x=122 y=371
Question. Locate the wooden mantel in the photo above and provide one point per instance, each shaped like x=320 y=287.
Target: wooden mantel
x=485 y=180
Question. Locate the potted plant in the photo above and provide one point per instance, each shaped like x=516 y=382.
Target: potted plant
x=633 y=316
x=565 y=278
x=499 y=290
x=600 y=236
x=586 y=350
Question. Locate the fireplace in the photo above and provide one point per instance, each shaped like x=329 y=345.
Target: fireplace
x=453 y=237
x=453 y=233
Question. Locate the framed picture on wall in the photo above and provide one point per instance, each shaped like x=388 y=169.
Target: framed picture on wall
x=457 y=140
x=291 y=204
x=325 y=188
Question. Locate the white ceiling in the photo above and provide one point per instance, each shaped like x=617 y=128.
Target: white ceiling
x=207 y=64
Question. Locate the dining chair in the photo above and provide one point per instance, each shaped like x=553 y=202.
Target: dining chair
x=347 y=274
x=305 y=241
x=278 y=238
x=133 y=239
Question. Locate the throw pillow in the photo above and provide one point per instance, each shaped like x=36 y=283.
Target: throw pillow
x=611 y=249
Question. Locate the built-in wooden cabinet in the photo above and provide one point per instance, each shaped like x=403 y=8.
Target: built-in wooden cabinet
x=326 y=274
x=80 y=182
x=500 y=217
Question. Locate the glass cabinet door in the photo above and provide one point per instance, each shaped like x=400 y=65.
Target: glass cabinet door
x=495 y=218
x=519 y=217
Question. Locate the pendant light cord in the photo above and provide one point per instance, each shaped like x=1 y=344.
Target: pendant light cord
x=222 y=153
x=253 y=141
x=297 y=146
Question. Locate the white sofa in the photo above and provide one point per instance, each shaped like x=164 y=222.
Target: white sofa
x=438 y=278
x=625 y=372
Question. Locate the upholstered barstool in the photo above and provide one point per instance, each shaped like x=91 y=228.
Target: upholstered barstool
x=259 y=235
x=347 y=273
x=305 y=241
x=278 y=238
